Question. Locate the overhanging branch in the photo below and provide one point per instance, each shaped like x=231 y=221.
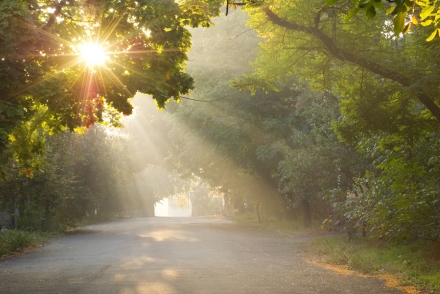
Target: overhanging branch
x=344 y=56
x=54 y=15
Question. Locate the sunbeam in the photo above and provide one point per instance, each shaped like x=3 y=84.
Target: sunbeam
x=117 y=82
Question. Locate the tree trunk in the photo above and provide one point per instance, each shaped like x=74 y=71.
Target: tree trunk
x=225 y=210
x=258 y=211
x=307 y=216
x=290 y=213
x=149 y=209
x=231 y=208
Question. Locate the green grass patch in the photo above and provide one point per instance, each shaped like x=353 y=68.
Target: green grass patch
x=293 y=228
x=100 y=218
x=246 y=218
x=415 y=263
x=287 y=228
x=13 y=241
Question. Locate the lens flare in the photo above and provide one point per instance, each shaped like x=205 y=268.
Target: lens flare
x=92 y=54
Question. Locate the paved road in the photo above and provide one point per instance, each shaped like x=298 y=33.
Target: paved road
x=174 y=255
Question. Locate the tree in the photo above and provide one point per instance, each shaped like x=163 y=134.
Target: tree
x=78 y=175
x=387 y=97
x=81 y=61
x=245 y=143
x=399 y=199
x=321 y=45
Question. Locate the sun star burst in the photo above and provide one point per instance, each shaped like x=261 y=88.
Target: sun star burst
x=93 y=54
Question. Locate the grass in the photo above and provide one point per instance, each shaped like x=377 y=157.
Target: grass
x=293 y=228
x=14 y=241
x=285 y=228
x=101 y=218
x=416 y=263
x=412 y=264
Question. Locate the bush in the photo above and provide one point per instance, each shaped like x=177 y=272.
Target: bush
x=413 y=263
x=12 y=241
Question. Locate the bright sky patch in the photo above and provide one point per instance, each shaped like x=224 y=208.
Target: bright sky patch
x=92 y=54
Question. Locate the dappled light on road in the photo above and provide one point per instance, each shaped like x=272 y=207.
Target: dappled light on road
x=170 y=274
x=170 y=235
x=137 y=262
x=153 y=287
x=119 y=277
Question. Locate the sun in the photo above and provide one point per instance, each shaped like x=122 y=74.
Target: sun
x=92 y=54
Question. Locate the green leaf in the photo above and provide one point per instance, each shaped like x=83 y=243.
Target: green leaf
x=330 y=2
x=391 y=10
x=377 y=4
x=79 y=130
x=426 y=22
x=437 y=15
x=371 y=12
x=432 y=36
x=399 y=22
x=351 y=13
x=426 y=12
x=406 y=28
x=414 y=20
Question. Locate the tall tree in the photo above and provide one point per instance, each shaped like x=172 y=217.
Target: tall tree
x=317 y=43
x=388 y=98
x=83 y=60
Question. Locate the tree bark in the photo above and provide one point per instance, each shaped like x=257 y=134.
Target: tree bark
x=149 y=209
x=307 y=216
x=54 y=15
x=344 y=56
x=258 y=211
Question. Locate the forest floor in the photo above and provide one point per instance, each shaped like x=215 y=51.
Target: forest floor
x=177 y=255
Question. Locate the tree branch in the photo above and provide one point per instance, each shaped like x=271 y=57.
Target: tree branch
x=54 y=15
x=274 y=103
x=344 y=56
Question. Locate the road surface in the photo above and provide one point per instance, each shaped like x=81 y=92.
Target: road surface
x=175 y=255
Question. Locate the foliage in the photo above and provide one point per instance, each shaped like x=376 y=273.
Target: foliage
x=388 y=107
x=402 y=200
x=42 y=68
x=315 y=160
x=333 y=105
x=12 y=241
x=404 y=13
x=217 y=141
x=247 y=144
x=78 y=175
x=320 y=45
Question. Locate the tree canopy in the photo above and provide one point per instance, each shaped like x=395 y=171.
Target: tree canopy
x=338 y=105
x=80 y=62
x=405 y=13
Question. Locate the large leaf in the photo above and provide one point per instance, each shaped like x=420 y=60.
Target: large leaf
x=426 y=11
x=432 y=36
x=399 y=22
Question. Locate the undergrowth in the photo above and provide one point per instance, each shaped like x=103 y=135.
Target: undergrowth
x=416 y=263
x=13 y=241
x=282 y=227
x=101 y=218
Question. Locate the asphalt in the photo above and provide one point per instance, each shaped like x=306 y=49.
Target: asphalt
x=175 y=255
